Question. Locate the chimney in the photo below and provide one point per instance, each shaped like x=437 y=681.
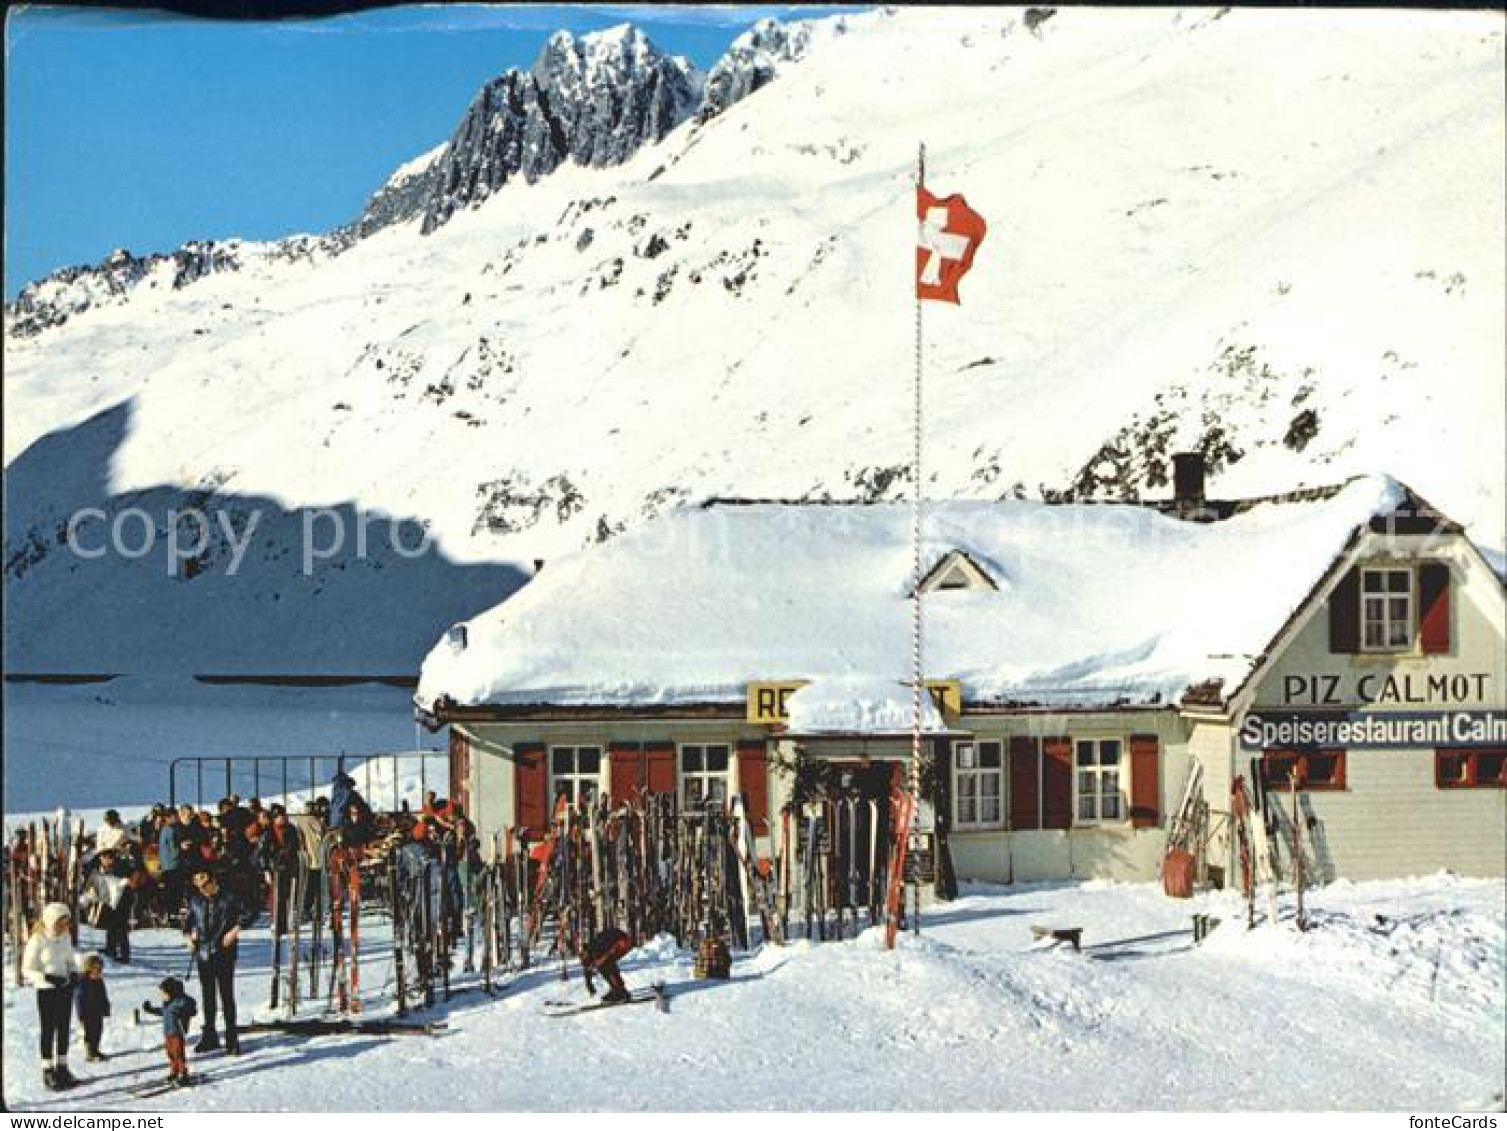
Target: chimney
x=1188 y=480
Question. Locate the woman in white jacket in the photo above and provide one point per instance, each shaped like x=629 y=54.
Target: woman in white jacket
x=52 y=965
x=112 y=836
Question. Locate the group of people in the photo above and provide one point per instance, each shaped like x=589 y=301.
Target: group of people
x=208 y=873
x=68 y=980
x=211 y=874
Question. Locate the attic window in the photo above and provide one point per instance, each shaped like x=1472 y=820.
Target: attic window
x=954 y=580
x=956 y=571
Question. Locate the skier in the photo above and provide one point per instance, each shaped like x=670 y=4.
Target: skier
x=92 y=1004
x=601 y=955
x=216 y=918
x=177 y=1010
x=50 y=964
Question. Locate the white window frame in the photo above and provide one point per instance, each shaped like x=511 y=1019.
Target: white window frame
x=1385 y=597
x=1098 y=770
x=704 y=776
x=981 y=776
x=576 y=777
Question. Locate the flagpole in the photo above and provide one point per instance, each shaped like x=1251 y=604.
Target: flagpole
x=916 y=688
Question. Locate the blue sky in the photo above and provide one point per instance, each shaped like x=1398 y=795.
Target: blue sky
x=142 y=130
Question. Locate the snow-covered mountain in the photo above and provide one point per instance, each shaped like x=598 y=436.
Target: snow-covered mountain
x=1271 y=235
x=594 y=101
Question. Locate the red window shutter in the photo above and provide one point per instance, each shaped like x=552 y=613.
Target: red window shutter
x=1145 y=781
x=659 y=761
x=1023 y=782
x=753 y=782
x=1344 y=614
x=1056 y=783
x=623 y=761
x=531 y=789
x=460 y=771
x=1433 y=607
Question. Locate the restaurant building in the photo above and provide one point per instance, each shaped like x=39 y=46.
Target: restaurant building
x=1080 y=660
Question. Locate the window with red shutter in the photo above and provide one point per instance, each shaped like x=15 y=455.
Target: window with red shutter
x=1316 y=769
x=1465 y=767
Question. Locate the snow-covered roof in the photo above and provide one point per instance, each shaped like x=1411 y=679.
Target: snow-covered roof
x=1096 y=604
x=859 y=704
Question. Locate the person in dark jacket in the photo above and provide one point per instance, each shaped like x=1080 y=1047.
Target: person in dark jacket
x=92 y=1004
x=278 y=858
x=216 y=917
x=177 y=1010
x=238 y=865
x=359 y=827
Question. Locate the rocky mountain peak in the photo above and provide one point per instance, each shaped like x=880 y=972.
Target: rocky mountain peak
x=752 y=61
x=593 y=99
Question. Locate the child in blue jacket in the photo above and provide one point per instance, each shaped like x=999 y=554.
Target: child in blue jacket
x=177 y=1010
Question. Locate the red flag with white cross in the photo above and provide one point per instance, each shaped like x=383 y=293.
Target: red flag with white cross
x=950 y=233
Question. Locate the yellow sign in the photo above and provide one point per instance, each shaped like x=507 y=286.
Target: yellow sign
x=766 y=701
x=947 y=694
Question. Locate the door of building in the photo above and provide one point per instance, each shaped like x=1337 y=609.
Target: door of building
x=860 y=827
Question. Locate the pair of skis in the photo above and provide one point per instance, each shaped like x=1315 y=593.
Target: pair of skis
x=904 y=810
x=345 y=899
x=656 y=994
x=1265 y=839
x=286 y=899
x=758 y=891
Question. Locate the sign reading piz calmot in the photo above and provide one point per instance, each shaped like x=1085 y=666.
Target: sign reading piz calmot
x=1386 y=687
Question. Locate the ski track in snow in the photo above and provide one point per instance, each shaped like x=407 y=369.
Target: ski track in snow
x=1393 y=1001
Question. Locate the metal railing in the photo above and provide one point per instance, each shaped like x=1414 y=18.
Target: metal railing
x=378 y=776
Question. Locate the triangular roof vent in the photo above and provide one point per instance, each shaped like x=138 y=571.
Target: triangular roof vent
x=957 y=571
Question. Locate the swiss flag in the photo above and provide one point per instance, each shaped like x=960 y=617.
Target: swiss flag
x=950 y=233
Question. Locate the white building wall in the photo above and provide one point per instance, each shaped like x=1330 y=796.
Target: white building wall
x=1391 y=819
x=1117 y=852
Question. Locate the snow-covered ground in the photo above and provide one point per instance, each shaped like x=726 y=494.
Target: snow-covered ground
x=93 y=746
x=1393 y=1001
